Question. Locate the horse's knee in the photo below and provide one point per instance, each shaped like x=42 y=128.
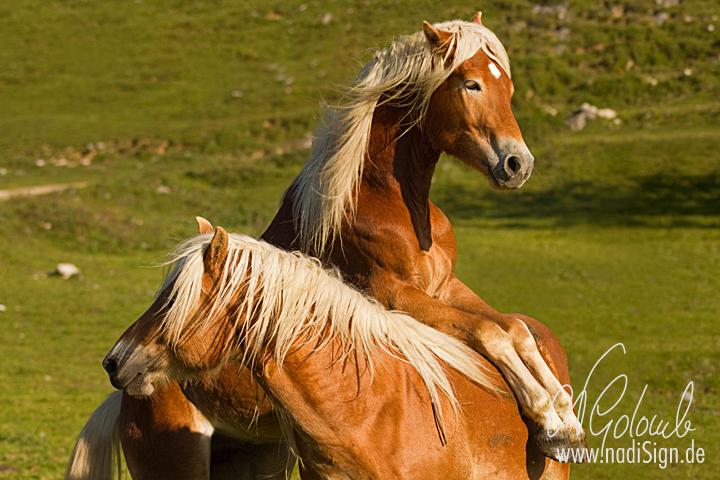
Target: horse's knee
x=549 y=346
x=523 y=339
x=495 y=343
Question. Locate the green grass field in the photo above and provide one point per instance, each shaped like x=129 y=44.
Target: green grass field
x=205 y=108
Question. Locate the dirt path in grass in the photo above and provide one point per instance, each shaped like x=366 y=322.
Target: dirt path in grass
x=39 y=190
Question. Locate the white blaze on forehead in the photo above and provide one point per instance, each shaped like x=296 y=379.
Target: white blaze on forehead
x=494 y=70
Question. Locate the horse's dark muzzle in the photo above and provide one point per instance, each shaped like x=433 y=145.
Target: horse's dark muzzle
x=111 y=367
x=120 y=375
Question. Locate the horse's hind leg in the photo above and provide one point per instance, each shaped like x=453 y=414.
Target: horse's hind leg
x=165 y=437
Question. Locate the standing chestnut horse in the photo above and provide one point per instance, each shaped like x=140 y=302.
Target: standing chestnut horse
x=361 y=204
x=361 y=390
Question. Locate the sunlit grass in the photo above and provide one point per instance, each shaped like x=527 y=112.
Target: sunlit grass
x=613 y=239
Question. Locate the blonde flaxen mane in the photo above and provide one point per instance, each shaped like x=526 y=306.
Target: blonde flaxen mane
x=280 y=298
x=405 y=74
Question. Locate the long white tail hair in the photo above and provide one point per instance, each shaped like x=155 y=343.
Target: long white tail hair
x=97 y=454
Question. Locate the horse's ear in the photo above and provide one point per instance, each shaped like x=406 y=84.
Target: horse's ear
x=204 y=226
x=215 y=254
x=477 y=18
x=440 y=41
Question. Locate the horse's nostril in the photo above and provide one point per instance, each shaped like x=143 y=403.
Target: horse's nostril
x=110 y=366
x=512 y=166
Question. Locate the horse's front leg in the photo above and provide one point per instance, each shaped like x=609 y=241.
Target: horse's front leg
x=506 y=342
x=527 y=335
x=165 y=437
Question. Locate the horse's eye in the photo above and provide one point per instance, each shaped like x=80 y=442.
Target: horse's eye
x=472 y=85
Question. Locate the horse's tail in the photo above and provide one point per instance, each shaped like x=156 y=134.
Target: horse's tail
x=97 y=454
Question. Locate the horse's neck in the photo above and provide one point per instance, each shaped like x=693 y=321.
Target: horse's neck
x=399 y=166
x=401 y=163
x=399 y=156
x=314 y=385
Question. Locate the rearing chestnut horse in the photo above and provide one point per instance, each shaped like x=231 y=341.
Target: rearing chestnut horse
x=362 y=204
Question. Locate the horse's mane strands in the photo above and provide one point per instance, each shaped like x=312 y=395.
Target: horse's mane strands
x=405 y=74
x=278 y=298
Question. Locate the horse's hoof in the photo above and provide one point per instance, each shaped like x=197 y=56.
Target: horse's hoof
x=565 y=446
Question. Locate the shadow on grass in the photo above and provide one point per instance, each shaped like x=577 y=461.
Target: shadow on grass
x=655 y=200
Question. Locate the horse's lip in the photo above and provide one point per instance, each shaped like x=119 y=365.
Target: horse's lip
x=501 y=184
x=134 y=387
x=122 y=383
x=117 y=383
x=495 y=182
x=486 y=163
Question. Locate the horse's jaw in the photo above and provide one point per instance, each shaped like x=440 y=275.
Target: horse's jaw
x=145 y=384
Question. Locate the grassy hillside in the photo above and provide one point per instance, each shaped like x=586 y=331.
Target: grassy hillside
x=172 y=109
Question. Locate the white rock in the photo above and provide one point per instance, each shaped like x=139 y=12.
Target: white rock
x=3 y=308
x=576 y=121
x=589 y=110
x=661 y=18
x=559 y=10
x=67 y=270
x=607 y=113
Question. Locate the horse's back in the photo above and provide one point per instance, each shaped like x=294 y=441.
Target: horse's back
x=382 y=425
